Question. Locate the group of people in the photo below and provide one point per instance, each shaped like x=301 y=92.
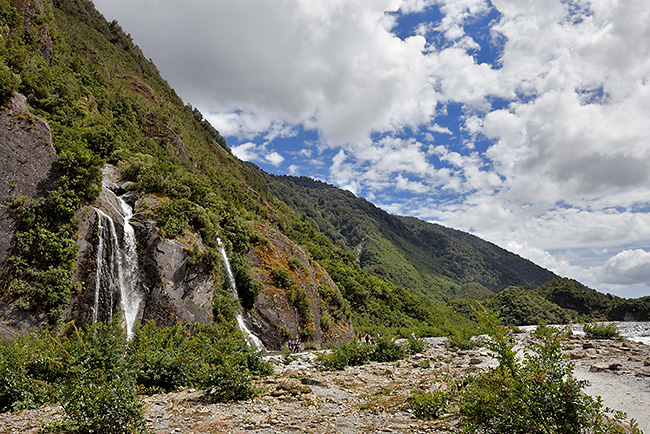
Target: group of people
x=368 y=337
x=294 y=345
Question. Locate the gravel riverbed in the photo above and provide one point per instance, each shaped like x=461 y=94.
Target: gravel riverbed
x=372 y=398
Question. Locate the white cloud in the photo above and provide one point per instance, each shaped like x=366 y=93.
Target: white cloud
x=250 y=151
x=569 y=146
x=627 y=267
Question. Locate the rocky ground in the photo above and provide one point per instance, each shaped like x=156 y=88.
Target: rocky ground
x=372 y=398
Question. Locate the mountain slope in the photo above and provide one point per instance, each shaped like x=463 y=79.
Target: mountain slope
x=106 y=103
x=426 y=258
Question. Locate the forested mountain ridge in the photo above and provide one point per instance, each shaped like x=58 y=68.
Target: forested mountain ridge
x=429 y=259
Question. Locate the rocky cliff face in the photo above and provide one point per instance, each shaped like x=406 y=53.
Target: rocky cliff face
x=176 y=286
x=27 y=164
x=308 y=305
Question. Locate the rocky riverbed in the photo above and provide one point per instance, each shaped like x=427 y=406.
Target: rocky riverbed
x=373 y=398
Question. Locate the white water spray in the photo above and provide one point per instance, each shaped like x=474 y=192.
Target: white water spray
x=252 y=338
x=117 y=269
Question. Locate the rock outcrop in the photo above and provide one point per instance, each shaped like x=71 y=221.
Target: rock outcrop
x=176 y=287
x=274 y=317
x=180 y=289
x=27 y=165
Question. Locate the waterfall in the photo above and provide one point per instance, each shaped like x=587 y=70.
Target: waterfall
x=252 y=339
x=117 y=282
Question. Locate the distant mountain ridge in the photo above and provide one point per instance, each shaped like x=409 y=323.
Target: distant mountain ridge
x=426 y=258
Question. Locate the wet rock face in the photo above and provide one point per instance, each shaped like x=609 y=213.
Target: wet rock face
x=179 y=288
x=275 y=318
x=27 y=165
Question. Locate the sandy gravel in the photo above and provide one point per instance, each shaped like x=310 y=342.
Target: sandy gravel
x=621 y=392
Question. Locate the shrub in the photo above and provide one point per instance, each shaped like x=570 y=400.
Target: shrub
x=19 y=389
x=350 y=353
x=282 y=278
x=601 y=331
x=537 y=394
x=97 y=402
x=429 y=405
x=461 y=338
x=160 y=358
x=227 y=363
x=387 y=350
x=415 y=345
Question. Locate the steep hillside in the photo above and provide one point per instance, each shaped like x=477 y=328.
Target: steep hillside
x=428 y=259
x=105 y=103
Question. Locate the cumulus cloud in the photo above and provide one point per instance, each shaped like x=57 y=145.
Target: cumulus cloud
x=551 y=143
x=250 y=151
x=627 y=267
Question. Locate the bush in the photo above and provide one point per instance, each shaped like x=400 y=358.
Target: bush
x=429 y=405
x=227 y=363
x=415 y=345
x=346 y=354
x=97 y=402
x=461 y=338
x=21 y=387
x=160 y=358
x=537 y=394
x=387 y=350
x=601 y=331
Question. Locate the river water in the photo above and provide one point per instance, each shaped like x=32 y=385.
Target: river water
x=638 y=331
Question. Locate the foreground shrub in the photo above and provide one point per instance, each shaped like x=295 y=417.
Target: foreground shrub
x=354 y=353
x=536 y=394
x=351 y=353
x=161 y=358
x=461 y=338
x=98 y=402
x=601 y=331
x=228 y=363
x=428 y=405
x=387 y=350
x=21 y=385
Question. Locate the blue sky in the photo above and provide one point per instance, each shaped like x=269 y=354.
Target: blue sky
x=526 y=123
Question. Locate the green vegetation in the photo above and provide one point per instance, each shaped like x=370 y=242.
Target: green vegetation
x=96 y=374
x=429 y=405
x=518 y=306
x=601 y=331
x=355 y=353
x=538 y=394
x=421 y=257
x=561 y=301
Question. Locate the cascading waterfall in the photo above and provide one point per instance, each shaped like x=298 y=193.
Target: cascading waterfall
x=252 y=339
x=117 y=282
